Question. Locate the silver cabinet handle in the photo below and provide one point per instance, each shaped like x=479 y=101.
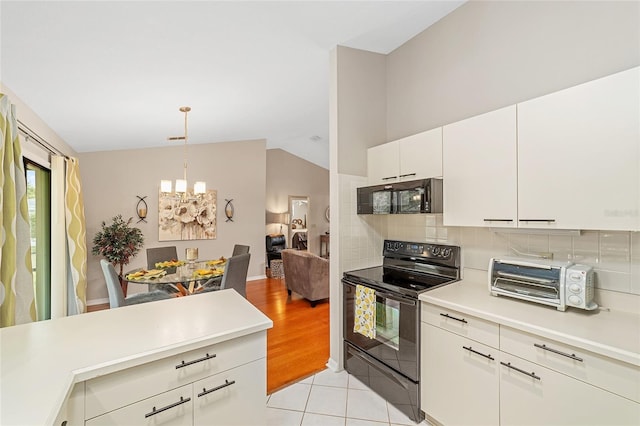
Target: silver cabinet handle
x=226 y=383
x=479 y=353
x=555 y=351
x=498 y=220
x=532 y=374
x=408 y=174
x=195 y=361
x=168 y=407
x=537 y=220
x=390 y=177
x=454 y=318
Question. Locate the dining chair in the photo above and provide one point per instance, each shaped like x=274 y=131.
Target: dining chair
x=161 y=254
x=116 y=296
x=235 y=273
x=240 y=249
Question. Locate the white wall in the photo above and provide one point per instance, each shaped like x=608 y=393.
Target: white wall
x=237 y=170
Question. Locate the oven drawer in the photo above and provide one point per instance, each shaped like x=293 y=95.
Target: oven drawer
x=485 y=332
x=615 y=376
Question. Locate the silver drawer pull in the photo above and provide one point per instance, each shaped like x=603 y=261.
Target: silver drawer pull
x=555 y=351
x=498 y=220
x=532 y=374
x=153 y=412
x=478 y=353
x=204 y=358
x=226 y=383
x=538 y=220
x=454 y=318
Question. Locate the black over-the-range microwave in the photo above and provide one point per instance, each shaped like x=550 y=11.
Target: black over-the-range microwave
x=416 y=196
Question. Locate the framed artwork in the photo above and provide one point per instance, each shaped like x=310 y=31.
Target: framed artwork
x=187 y=217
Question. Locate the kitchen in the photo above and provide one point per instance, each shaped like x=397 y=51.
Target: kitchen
x=518 y=51
x=428 y=83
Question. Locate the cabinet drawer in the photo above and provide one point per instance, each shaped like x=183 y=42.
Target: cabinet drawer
x=534 y=395
x=235 y=397
x=170 y=408
x=474 y=328
x=125 y=387
x=615 y=376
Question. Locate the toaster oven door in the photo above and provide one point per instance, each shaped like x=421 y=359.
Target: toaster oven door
x=539 y=282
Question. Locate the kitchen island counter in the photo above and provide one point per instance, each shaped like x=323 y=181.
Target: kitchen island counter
x=40 y=362
x=611 y=333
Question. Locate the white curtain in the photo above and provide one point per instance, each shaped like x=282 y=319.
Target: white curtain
x=17 y=302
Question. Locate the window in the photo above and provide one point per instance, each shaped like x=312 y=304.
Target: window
x=39 y=202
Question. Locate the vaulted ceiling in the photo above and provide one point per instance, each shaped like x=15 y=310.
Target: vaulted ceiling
x=107 y=75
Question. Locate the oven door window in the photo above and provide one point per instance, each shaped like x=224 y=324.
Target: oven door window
x=388 y=322
x=411 y=200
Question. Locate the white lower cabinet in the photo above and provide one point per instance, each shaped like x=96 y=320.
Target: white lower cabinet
x=535 y=395
x=476 y=372
x=235 y=397
x=459 y=379
x=174 y=408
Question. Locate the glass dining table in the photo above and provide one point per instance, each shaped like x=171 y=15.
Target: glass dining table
x=186 y=278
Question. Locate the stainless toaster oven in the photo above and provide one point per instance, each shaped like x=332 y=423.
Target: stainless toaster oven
x=558 y=284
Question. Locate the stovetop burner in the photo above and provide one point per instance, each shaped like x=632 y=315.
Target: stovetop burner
x=411 y=268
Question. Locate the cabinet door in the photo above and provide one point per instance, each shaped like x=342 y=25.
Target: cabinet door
x=578 y=156
x=383 y=163
x=479 y=170
x=459 y=379
x=421 y=155
x=555 y=399
x=235 y=397
x=173 y=408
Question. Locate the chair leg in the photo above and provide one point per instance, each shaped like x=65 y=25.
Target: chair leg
x=313 y=303
x=289 y=292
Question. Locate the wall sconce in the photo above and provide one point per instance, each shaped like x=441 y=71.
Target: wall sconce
x=142 y=209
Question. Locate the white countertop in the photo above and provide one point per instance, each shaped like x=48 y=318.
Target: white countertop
x=615 y=334
x=41 y=361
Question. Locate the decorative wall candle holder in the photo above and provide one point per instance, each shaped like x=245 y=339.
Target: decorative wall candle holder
x=141 y=209
x=228 y=210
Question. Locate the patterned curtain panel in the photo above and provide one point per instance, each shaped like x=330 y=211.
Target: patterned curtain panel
x=76 y=239
x=17 y=302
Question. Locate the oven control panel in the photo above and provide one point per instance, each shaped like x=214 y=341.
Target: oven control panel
x=422 y=250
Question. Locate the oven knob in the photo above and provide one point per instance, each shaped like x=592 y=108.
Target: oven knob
x=575 y=276
x=446 y=252
x=575 y=300
x=575 y=288
x=435 y=251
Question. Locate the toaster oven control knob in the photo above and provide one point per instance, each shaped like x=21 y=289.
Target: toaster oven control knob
x=575 y=276
x=575 y=300
x=574 y=288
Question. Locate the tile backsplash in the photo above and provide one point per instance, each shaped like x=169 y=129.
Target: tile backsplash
x=615 y=256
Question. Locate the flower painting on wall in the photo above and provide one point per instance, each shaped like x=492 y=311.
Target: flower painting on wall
x=188 y=217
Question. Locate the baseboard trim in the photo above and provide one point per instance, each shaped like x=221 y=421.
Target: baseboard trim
x=333 y=365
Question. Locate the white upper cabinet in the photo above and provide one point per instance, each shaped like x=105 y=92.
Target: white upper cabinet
x=480 y=173
x=578 y=156
x=383 y=163
x=414 y=157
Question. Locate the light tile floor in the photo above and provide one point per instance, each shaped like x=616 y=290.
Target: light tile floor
x=327 y=399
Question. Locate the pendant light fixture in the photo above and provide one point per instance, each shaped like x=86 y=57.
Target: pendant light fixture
x=200 y=187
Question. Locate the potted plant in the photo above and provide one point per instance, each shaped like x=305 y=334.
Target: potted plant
x=118 y=243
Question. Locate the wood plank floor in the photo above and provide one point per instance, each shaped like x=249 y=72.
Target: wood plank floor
x=298 y=343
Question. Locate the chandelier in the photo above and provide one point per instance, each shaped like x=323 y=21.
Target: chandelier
x=181 y=184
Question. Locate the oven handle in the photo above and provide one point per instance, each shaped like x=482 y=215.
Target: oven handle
x=381 y=368
x=399 y=299
x=394 y=297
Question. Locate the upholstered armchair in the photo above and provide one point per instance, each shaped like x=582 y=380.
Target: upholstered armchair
x=306 y=274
